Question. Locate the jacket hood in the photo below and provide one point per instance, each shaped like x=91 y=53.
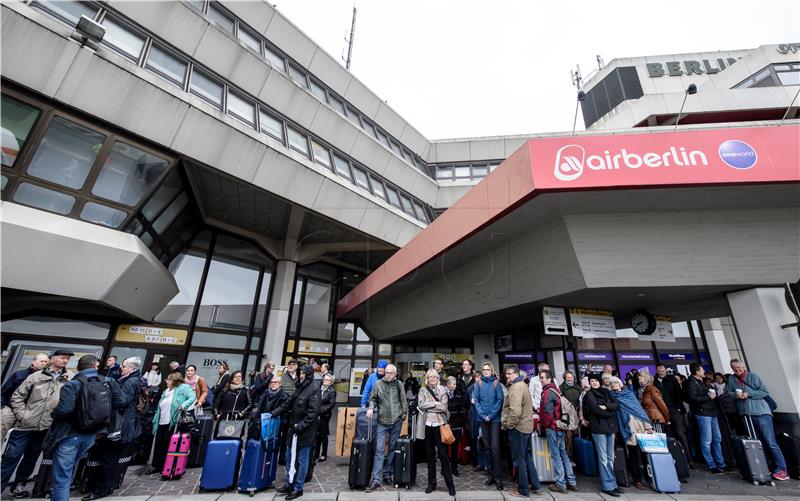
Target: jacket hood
x=488 y=379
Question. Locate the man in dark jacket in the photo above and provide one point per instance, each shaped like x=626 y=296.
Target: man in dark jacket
x=262 y=381
x=704 y=408
x=112 y=369
x=116 y=450
x=388 y=400
x=66 y=440
x=673 y=397
x=303 y=421
x=572 y=392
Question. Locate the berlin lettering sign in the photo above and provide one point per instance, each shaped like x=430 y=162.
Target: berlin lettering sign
x=688 y=67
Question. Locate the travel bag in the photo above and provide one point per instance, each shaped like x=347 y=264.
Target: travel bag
x=405 y=469
x=585 y=458
x=678 y=454
x=661 y=472
x=540 y=451
x=361 y=457
x=201 y=436
x=790 y=447
x=220 y=465
x=177 y=455
x=750 y=456
x=366 y=427
x=621 y=467
x=259 y=466
x=43 y=484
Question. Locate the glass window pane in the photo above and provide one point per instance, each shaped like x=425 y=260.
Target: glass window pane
x=120 y=37
x=108 y=216
x=250 y=39
x=220 y=19
x=321 y=154
x=352 y=115
x=407 y=157
x=370 y=129
x=318 y=90
x=462 y=172
x=384 y=139
x=343 y=350
x=196 y=4
x=167 y=65
x=789 y=78
x=420 y=212
x=263 y=302
x=296 y=300
x=241 y=108
x=272 y=126
x=187 y=270
x=42 y=198
x=345 y=332
x=298 y=76
x=393 y=198
x=203 y=86
x=342 y=166
x=219 y=340
x=128 y=173
x=480 y=171
x=51 y=326
x=298 y=141
x=377 y=188
x=66 y=153
x=384 y=349
x=396 y=149
x=406 y=204
x=169 y=215
x=255 y=342
x=444 y=173
x=208 y=361
x=69 y=10
x=337 y=105
x=166 y=192
x=341 y=371
x=364 y=350
x=361 y=178
x=16 y=123
x=3 y=182
x=275 y=58
x=317 y=311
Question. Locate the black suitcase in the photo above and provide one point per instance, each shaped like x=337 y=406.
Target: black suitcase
x=201 y=436
x=405 y=468
x=790 y=446
x=621 y=467
x=361 y=456
x=750 y=457
x=43 y=484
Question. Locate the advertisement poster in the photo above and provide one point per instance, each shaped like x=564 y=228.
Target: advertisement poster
x=356 y=377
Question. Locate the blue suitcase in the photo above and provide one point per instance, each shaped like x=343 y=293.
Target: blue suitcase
x=220 y=464
x=662 y=474
x=259 y=466
x=585 y=459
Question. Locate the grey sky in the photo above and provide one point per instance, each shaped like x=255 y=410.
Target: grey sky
x=481 y=68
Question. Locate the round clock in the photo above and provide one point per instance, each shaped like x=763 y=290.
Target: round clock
x=643 y=323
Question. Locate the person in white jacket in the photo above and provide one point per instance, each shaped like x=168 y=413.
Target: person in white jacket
x=153 y=376
x=535 y=386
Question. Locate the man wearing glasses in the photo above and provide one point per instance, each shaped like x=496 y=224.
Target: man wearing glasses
x=388 y=399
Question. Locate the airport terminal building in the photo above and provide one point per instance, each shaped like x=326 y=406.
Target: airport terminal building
x=208 y=184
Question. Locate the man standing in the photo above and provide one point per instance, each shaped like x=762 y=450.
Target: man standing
x=38 y=363
x=467 y=376
x=701 y=400
x=488 y=410
x=112 y=369
x=84 y=409
x=176 y=366
x=389 y=401
x=750 y=394
x=673 y=397
x=569 y=388
x=32 y=403
x=289 y=379
x=609 y=369
x=262 y=381
x=438 y=366
x=550 y=413
x=373 y=378
x=535 y=386
x=517 y=418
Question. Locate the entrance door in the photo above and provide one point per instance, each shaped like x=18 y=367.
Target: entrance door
x=149 y=356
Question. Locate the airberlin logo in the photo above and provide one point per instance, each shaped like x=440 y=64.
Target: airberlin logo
x=572 y=160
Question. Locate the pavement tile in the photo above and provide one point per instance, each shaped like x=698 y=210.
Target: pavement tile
x=259 y=496
x=438 y=495
x=481 y=495
x=193 y=497
x=639 y=496
x=384 y=495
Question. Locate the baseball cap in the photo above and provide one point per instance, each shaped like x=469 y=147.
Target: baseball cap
x=62 y=351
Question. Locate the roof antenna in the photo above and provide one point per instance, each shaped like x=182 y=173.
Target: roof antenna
x=350 y=41
x=600 y=62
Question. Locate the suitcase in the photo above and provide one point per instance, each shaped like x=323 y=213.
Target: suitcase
x=42 y=486
x=220 y=465
x=661 y=473
x=143 y=445
x=87 y=470
x=201 y=436
x=259 y=466
x=585 y=458
x=177 y=456
x=541 y=458
x=750 y=457
x=464 y=449
x=621 y=467
x=405 y=469
x=790 y=446
x=365 y=427
x=361 y=457
x=678 y=454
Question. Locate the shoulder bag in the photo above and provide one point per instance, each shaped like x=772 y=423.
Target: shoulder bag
x=445 y=432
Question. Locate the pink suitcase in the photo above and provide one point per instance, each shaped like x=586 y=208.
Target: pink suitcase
x=177 y=456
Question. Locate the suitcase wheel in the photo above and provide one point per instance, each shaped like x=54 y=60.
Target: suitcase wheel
x=251 y=493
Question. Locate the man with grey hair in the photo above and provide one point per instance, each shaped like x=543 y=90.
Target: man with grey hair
x=388 y=399
x=38 y=363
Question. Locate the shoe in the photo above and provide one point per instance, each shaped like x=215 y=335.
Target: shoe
x=639 y=486
x=480 y=468
x=20 y=491
x=499 y=486
x=93 y=495
x=430 y=489
x=613 y=494
x=518 y=494
x=322 y=459
x=489 y=481
x=456 y=474
x=284 y=489
x=388 y=481
x=375 y=486
x=572 y=487
x=717 y=471
x=451 y=491
x=692 y=466
x=558 y=488
x=619 y=490
x=536 y=492
x=150 y=471
x=294 y=495
x=780 y=475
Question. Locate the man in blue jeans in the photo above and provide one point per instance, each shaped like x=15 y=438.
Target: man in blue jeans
x=517 y=418
x=704 y=408
x=304 y=405
x=388 y=399
x=549 y=413
x=750 y=395
x=67 y=440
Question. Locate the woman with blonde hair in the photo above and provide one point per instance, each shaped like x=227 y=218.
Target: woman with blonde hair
x=653 y=400
x=432 y=407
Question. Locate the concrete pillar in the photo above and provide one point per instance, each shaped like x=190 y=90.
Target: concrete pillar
x=484 y=350
x=772 y=353
x=717 y=345
x=280 y=304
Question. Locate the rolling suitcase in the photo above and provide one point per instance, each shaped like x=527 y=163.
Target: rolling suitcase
x=621 y=467
x=661 y=473
x=201 y=436
x=405 y=469
x=42 y=485
x=678 y=454
x=259 y=466
x=365 y=427
x=541 y=458
x=750 y=456
x=361 y=456
x=220 y=465
x=177 y=455
x=790 y=446
x=585 y=459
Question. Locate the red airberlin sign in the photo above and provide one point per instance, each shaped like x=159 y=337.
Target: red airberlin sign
x=735 y=155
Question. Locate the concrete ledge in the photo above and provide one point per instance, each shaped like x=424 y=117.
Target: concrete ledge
x=438 y=495
x=363 y=496
x=481 y=495
x=259 y=496
x=641 y=496
x=187 y=497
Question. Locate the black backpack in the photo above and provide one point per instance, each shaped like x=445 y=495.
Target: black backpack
x=93 y=404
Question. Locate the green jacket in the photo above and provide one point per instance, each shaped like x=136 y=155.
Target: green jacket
x=389 y=401
x=184 y=396
x=573 y=393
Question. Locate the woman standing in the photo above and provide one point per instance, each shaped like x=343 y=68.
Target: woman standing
x=153 y=376
x=224 y=375
x=198 y=384
x=327 y=401
x=432 y=406
x=233 y=400
x=489 y=398
x=632 y=419
x=177 y=397
x=600 y=410
x=457 y=407
x=653 y=400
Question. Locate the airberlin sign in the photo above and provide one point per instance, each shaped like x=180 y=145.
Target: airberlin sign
x=691 y=157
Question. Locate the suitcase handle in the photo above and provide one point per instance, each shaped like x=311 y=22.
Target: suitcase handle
x=749 y=426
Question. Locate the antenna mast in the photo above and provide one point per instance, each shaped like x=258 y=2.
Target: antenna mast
x=350 y=40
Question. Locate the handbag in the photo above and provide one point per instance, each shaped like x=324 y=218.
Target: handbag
x=230 y=428
x=186 y=422
x=446 y=434
x=773 y=405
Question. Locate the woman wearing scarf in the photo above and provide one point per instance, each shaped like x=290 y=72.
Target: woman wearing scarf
x=234 y=398
x=632 y=419
x=600 y=411
x=433 y=412
x=273 y=401
x=198 y=384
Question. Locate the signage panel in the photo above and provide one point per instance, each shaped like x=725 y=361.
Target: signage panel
x=151 y=335
x=663 y=331
x=634 y=356
x=591 y=356
x=592 y=323
x=555 y=321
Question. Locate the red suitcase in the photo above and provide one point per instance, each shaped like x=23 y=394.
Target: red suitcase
x=177 y=456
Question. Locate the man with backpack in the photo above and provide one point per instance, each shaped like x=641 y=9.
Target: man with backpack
x=550 y=413
x=84 y=410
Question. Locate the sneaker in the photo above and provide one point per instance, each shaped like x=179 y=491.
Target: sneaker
x=717 y=471
x=572 y=487
x=780 y=475
x=558 y=488
x=21 y=492
x=284 y=489
x=375 y=486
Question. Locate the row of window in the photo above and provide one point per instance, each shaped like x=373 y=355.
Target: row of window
x=774 y=75
x=150 y=54
x=464 y=171
x=234 y=27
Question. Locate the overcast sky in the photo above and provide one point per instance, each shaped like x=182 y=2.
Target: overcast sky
x=471 y=68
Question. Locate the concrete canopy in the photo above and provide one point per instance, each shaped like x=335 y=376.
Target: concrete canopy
x=672 y=238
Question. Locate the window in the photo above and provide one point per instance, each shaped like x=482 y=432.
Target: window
x=42 y=198
x=249 y=39
x=296 y=300
x=318 y=90
x=361 y=178
x=261 y=310
x=220 y=19
x=421 y=215
x=321 y=154
x=3 y=182
x=480 y=171
x=407 y=157
x=128 y=173
x=240 y=108
x=463 y=172
x=122 y=39
x=789 y=77
x=406 y=204
x=169 y=215
x=16 y=123
x=275 y=58
x=352 y=115
x=203 y=86
x=272 y=126
x=101 y=214
x=69 y=11
x=342 y=167
x=316 y=310
x=384 y=139
x=59 y=327
x=393 y=197
x=297 y=75
x=370 y=129
x=444 y=173
x=165 y=193
x=208 y=361
x=298 y=141
x=196 y=4
x=228 y=295
x=377 y=187
x=396 y=149
x=66 y=153
x=166 y=65
x=337 y=105
x=187 y=270
x=219 y=340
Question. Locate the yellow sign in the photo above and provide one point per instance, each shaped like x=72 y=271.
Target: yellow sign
x=314 y=348
x=151 y=335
